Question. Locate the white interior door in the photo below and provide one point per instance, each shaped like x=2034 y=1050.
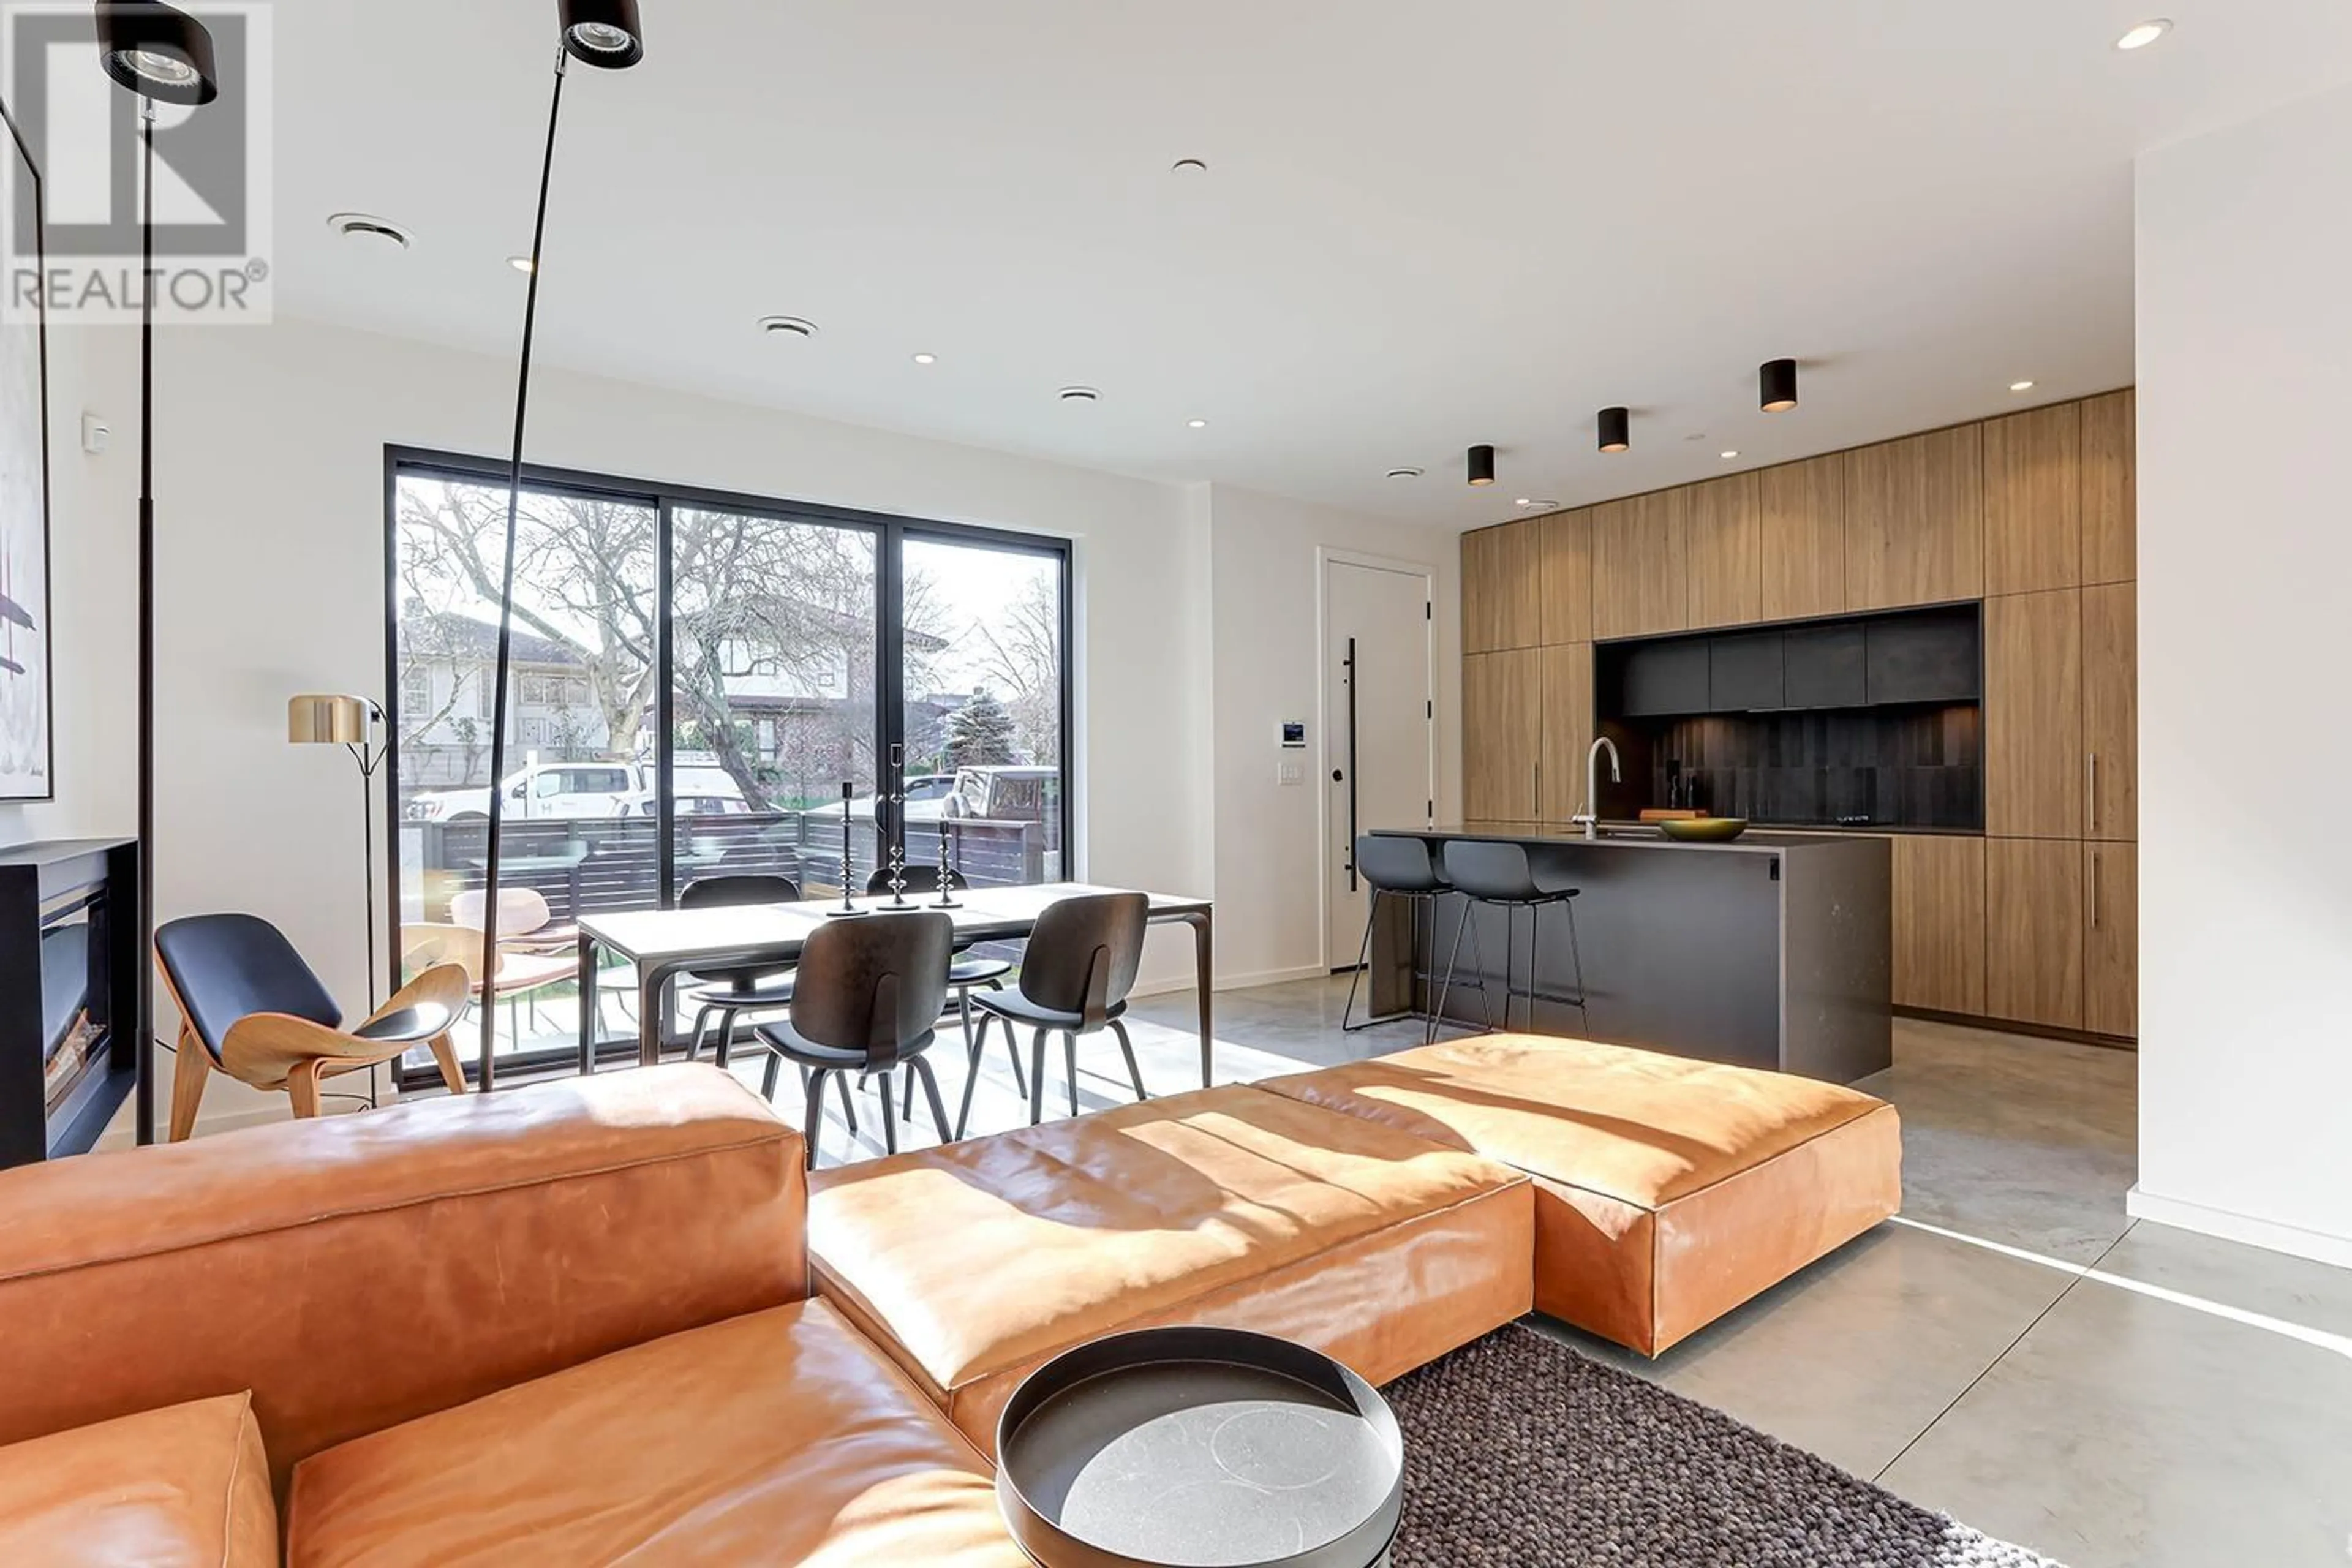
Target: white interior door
x=1379 y=766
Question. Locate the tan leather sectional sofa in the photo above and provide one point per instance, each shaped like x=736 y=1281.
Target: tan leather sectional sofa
x=575 y=1323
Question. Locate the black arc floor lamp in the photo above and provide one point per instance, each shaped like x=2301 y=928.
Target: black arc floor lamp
x=604 y=34
x=165 y=57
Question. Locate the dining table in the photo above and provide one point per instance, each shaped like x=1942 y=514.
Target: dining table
x=663 y=944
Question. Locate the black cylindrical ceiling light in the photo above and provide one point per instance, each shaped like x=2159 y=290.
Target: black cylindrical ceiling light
x=1616 y=429
x=1779 y=385
x=1482 y=467
x=603 y=31
x=157 y=52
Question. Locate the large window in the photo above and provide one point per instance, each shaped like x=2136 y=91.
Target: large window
x=693 y=679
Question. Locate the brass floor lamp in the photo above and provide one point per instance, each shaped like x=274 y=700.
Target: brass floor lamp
x=354 y=723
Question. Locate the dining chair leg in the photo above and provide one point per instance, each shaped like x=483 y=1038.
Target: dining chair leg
x=972 y=1077
x=922 y=1068
x=848 y=1102
x=1127 y=1049
x=1070 y=1067
x=813 y=1120
x=773 y=1071
x=1036 y=1079
x=694 y=1041
x=724 y=1051
x=889 y=1117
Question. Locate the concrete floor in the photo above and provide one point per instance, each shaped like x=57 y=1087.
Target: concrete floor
x=2013 y=1351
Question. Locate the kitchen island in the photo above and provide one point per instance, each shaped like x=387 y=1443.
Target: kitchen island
x=1774 y=951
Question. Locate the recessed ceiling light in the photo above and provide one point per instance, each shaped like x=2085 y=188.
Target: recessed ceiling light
x=1406 y=473
x=1729 y=456
x=1189 y=166
x=2020 y=386
x=365 y=225
x=926 y=359
x=1079 y=395
x=788 y=326
x=2146 y=33
x=1538 y=504
x=520 y=264
x=1196 y=423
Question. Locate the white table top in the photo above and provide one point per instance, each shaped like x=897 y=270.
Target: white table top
x=777 y=930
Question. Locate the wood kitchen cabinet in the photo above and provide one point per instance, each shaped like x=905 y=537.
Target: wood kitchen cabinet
x=1564 y=682
x=2111 y=710
x=2033 y=500
x=2034 y=766
x=1501 y=588
x=1915 y=521
x=2111 y=488
x=1939 y=923
x=2111 y=939
x=1800 y=528
x=1640 y=565
x=1724 y=528
x=1564 y=571
x=2034 y=924
x=1500 y=728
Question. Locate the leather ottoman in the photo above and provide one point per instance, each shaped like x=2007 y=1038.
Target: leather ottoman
x=975 y=1263
x=1667 y=1192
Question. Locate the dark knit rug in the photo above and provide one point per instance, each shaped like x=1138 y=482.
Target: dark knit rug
x=1523 y=1454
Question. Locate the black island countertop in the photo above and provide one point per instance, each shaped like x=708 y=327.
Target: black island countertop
x=1774 y=950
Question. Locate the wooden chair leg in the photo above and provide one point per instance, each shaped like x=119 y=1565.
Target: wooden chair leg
x=195 y=1066
x=302 y=1084
x=445 y=1056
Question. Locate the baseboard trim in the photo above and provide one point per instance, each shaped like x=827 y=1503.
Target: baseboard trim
x=2271 y=1236
x=2014 y=1026
x=1167 y=984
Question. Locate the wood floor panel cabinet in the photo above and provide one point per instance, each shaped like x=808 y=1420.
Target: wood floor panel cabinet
x=1939 y=924
x=2033 y=500
x=1565 y=682
x=2034 y=925
x=1564 y=552
x=1640 y=565
x=2035 y=765
x=2111 y=940
x=1502 y=588
x=1727 y=558
x=2111 y=710
x=1500 y=735
x=2111 y=488
x=1915 y=521
x=1801 y=527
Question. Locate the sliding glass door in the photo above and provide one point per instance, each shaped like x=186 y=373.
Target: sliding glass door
x=695 y=678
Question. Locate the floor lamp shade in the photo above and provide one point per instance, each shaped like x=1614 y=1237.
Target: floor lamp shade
x=603 y=33
x=157 y=51
x=314 y=719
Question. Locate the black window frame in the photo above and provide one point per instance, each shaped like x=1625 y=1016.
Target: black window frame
x=890 y=531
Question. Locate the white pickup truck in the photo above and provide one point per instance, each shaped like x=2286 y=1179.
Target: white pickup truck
x=557 y=791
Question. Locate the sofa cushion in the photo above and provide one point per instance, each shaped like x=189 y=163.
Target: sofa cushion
x=778 y=1438
x=1668 y=1191
x=975 y=1262
x=176 y=1488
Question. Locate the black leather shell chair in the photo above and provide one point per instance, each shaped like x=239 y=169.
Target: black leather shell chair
x=963 y=975
x=727 y=994
x=1075 y=974
x=867 y=999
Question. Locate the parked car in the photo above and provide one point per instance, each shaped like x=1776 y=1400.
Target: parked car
x=927 y=796
x=561 y=791
x=1006 y=794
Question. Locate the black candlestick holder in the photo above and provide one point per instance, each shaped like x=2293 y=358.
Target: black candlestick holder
x=948 y=879
x=897 y=799
x=848 y=908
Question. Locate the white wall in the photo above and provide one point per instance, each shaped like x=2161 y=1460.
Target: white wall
x=270 y=581
x=2245 y=342
x=1265 y=562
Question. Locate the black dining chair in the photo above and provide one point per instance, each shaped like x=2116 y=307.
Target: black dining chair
x=967 y=972
x=1075 y=974
x=728 y=994
x=867 y=999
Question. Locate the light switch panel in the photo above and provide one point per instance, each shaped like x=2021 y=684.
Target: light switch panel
x=1292 y=774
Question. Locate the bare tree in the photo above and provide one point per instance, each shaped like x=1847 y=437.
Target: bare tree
x=1021 y=653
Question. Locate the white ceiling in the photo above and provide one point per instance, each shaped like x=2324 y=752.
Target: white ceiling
x=1424 y=224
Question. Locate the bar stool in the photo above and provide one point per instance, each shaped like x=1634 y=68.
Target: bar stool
x=1400 y=868
x=1501 y=876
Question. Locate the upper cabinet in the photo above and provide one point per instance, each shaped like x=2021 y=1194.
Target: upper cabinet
x=1800 y=528
x=1915 y=519
x=2110 y=489
x=1640 y=565
x=1564 y=550
x=2033 y=500
x=2034 y=766
x=1501 y=735
x=1501 y=589
x=1726 y=556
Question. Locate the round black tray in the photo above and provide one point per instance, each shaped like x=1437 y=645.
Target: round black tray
x=1199 y=1447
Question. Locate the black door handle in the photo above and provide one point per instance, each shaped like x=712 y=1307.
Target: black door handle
x=1339 y=776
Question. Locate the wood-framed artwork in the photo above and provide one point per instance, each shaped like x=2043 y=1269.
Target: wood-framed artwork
x=27 y=685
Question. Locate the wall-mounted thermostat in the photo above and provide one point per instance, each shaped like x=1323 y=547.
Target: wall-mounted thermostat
x=1293 y=736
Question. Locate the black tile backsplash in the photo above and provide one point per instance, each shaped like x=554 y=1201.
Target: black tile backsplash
x=1890 y=767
